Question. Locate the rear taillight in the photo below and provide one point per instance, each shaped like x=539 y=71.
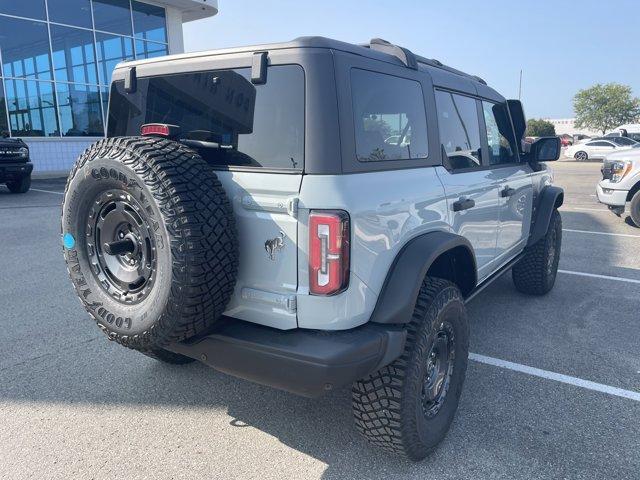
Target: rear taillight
x=328 y=251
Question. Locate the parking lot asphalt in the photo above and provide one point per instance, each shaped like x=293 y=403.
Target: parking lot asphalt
x=73 y=405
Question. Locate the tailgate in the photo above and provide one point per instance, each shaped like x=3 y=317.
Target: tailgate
x=264 y=206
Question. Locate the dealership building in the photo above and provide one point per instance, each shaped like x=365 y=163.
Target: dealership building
x=57 y=57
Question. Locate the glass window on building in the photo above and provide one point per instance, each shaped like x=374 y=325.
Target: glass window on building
x=112 y=49
x=32 y=108
x=73 y=55
x=4 y=126
x=150 y=49
x=24 y=8
x=149 y=22
x=71 y=12
x=80 y=110
x=112 y=16
x=24 y=45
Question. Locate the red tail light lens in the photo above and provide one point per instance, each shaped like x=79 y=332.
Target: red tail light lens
x=155 y=129
x=329 y=247
x=159 y=130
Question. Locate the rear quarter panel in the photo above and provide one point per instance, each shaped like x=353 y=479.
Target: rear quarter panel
x=386 y=210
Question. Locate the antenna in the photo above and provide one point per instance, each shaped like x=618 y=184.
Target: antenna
x=520 y=87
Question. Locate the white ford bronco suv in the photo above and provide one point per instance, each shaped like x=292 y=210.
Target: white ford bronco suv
x=311 y=215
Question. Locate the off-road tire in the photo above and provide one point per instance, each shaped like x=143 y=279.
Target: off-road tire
x=166 y=356
x=535 y=273
x=20 y=186
x=388 y=405
x=634 y=211
x=177 y=200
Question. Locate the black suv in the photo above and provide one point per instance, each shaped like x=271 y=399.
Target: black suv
x=15 y=167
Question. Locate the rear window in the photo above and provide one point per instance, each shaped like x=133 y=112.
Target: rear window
x=389 y=117
x=222 y=114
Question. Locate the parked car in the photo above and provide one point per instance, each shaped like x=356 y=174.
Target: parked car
x=565 y=142
x=580 y=138
x=618 y=140
x=245 y=211
x=593 y=149
x=15 y=167
x=620 y=183
x=630 y=130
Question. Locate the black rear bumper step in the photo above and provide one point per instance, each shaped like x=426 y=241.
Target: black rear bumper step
x=304 y=362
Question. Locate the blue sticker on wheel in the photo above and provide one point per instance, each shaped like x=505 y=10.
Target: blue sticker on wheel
x=68 y=241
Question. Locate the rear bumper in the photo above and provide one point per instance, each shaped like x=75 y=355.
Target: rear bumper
x=15 y=170
x=304 y=362
x=609 y=196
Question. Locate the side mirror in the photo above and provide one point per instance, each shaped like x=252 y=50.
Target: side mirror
x=518 y=119
x=545 y=149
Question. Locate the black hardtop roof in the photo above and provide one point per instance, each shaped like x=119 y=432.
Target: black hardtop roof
x=376 y=49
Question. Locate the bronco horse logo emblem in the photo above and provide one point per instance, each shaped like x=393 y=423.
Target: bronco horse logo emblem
x=274 y=245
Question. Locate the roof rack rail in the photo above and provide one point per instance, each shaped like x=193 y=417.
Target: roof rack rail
x=405 y=55
x=411 y=60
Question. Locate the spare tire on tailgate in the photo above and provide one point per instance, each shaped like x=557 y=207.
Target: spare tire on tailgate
x=149 y=239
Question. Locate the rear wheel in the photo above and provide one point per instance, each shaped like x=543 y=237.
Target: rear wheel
x=635 y=209
x=408 y=406
x=20 y=186
x=150 y=241
x=535 y=273
x=581 y=156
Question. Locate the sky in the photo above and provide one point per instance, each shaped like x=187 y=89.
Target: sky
x=561 y=46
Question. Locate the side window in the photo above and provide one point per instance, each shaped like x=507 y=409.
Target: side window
x=389 y=117
x=459 y=130
x=500 y=136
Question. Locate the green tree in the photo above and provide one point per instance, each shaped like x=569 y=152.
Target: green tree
x=540 y=128
x=603 y=107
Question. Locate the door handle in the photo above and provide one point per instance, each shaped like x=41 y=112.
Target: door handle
x=463 y=204
x=508 y=192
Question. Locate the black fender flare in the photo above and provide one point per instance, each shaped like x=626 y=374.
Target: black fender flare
x=399 y=293
x=551 y=197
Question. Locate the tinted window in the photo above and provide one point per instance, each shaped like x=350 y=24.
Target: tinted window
x=32 y=108
x=229 y=120
x=24 y=45
x=149 y=22
x=112 y=16
x=23 y=8
x=389 y=117
x=80 y=110
x=73 y=55
x=599 y=144
x=71 y=12
x=459 y=130
x=500 y=136
x=111 y=49
x=623 y=141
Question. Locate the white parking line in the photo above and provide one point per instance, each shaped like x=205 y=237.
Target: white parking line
x=573 y=209
x=628 y=235
x=605 y=277
x=558 y=377
x=47 y=191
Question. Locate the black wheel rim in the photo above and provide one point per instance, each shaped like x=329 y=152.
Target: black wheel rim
x=439 y=369
x=121 y=246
